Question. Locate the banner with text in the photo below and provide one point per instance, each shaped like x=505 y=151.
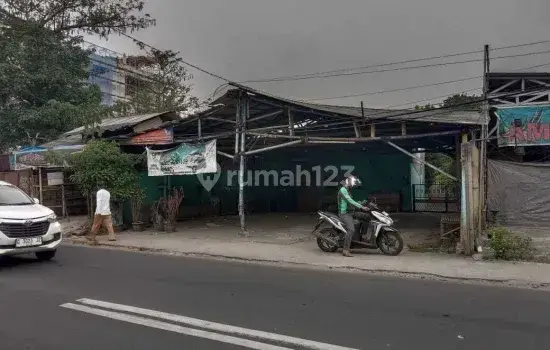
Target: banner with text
x=523 y=125
x=186 y=159
x=155 y=137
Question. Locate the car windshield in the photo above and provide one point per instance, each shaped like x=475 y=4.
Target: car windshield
x=11 y=195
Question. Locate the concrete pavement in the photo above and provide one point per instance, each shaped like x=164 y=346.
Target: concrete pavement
x=349 y=310
x=304 y=252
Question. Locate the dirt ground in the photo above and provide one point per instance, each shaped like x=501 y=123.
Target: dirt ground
x=277 y=228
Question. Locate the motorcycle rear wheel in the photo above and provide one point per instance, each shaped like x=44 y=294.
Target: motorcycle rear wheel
x=390 y=242
x=324 y=245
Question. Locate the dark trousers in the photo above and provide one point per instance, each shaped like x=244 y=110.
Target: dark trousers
x=347 y=220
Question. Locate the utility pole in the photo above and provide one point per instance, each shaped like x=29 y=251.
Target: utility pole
x=484 y=140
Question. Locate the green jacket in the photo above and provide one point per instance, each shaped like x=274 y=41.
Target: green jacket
x=344 y=199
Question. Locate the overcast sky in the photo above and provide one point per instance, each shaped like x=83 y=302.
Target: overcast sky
x=256 y=39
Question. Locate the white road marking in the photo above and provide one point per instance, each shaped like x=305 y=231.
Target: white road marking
x=219 y=327
x=173 y=328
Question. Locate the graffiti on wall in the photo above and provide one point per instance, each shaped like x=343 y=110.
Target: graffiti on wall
x=523 y=125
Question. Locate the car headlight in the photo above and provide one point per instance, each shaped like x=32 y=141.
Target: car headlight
x=52 y=218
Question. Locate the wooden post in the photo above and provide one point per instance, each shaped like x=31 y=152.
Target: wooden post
x=40 y=194
x=468 y=200
x=403 y=129
x=483 y=143
x=373 y=130
x=64 y=200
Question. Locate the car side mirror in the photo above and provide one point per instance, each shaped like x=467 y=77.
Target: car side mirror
x=36 y=200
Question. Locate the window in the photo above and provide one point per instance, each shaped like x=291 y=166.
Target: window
x=11 y=195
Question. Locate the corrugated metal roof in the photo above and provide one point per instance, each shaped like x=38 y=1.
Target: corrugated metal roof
x=72 y=140
x=119 y=123
x=448 y=116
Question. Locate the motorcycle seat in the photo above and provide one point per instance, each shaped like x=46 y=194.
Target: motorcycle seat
x=330 y=215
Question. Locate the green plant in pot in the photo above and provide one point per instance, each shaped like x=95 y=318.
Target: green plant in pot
x=171 y=208
x=138 y=224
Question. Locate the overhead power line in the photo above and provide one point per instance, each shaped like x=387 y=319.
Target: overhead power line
x=419 y=86
x=393 y=69
x=323 y=73
x=183 y=61
x=393 y=90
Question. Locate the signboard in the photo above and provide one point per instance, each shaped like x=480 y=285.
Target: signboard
x=155 y=137
x=523 y=125
x=31 y=157
x=55 y=179
x=186 y=159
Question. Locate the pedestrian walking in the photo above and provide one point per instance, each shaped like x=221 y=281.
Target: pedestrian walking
x=102 y=216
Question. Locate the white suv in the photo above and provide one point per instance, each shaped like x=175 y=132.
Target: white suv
x=26 y=227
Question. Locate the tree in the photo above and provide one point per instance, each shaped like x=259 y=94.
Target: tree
x=165 y=87
x=43 y=88
x=441 y=160
x=100 y=17
x=457 y=101
x=102 y=163
x=463 y=102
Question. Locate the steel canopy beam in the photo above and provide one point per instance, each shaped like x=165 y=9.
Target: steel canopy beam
x=269 y=148
x=357 y=139
x=421 y=160
x=267 y=115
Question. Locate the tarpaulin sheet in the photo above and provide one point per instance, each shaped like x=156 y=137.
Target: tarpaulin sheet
x=519 y=192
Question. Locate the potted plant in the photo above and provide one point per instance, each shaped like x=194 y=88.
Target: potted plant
x=171 y=208
x=157 y=215
x=138 y=224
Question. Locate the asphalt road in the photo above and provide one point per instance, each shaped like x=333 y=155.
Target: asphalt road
x=356 y=311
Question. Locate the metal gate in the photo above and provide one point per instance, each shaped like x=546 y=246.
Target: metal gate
x=436 y=198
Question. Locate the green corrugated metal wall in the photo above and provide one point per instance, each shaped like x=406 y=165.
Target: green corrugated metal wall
x=379 y=173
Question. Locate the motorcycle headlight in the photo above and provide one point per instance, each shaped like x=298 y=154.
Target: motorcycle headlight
x=52 y=218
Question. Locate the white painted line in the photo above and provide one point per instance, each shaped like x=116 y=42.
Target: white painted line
x=219 y=327
x=173 y=328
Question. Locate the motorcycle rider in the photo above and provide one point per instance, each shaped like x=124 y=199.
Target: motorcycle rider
x=344 y=212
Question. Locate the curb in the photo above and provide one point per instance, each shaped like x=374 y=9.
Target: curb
x=351 y=269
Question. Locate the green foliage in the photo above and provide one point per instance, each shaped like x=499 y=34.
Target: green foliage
x=459 y=101
x=43 y=89
x=440 y=160
x=443 y=162
x=166 y=89
x=100 y=17
x=102 y=164
x=508 y=246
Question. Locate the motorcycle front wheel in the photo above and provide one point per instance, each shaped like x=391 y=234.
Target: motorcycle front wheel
x=326 y=246
x=390 y=242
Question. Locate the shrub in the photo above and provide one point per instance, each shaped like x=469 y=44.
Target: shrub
x=509 y=246
x=102 y=163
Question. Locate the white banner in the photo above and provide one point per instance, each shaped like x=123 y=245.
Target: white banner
x=186 y=159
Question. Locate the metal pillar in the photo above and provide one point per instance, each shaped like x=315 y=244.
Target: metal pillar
x=290 y=122
x=241 y=125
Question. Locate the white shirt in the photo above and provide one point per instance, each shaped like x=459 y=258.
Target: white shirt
x=103 y=206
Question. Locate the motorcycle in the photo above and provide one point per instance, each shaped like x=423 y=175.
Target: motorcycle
x=373 y=230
